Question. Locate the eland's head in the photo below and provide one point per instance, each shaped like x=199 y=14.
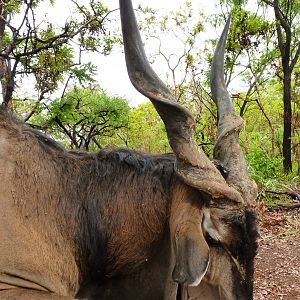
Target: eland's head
x=212 y=226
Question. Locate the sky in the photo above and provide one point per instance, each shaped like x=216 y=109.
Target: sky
x=112 y=74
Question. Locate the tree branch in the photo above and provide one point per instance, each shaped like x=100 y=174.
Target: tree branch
x=66 y=131
x=296 y=57
x=293 y=195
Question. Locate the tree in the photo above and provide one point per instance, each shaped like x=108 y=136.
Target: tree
x=83 y=118
x=31 y=47
x=287 y=27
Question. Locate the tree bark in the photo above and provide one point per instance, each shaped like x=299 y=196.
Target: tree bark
x=287 y=128
x=4 y=74
x=298 y=162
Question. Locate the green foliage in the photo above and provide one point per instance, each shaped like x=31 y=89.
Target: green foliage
x=247 y=30
x=263 y=167
x=84 y=73
x=12 y=6
x=49 y=67
x=234 y=3
x=146 y=131
x=84 y=118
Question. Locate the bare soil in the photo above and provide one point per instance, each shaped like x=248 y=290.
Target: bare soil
x=277 y=272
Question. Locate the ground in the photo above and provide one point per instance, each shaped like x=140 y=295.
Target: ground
x=277 y=274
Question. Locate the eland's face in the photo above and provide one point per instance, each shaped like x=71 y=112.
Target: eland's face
x=231 y=236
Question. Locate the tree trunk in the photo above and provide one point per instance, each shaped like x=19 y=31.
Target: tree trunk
x=287 y=124
x=298 y=161
x=3 y=64
x=285 y=43
x=297 y=155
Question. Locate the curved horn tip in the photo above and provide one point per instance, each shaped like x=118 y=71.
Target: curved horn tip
x=217 y=79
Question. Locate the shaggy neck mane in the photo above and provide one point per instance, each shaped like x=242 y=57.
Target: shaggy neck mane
x=125 y=197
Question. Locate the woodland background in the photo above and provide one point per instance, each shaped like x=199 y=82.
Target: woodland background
x=65 y=101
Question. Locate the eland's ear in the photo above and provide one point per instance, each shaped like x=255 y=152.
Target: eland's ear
x=191 y=254
x=190 y=250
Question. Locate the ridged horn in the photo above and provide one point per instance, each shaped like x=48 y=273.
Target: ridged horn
x=227 y=148
x=192 y=165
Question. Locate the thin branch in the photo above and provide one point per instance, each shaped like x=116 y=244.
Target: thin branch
x=293 y=195
x=296 y=57
x=97 y=143
x=290 y=206
x=66 y=131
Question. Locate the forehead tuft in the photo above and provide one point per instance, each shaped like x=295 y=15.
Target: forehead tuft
x=244 y=234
